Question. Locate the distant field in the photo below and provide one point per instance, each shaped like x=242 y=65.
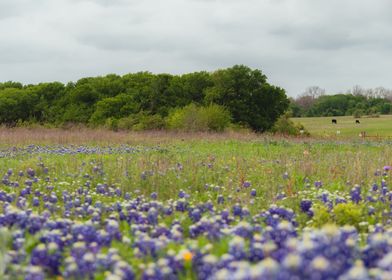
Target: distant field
x=322 y=126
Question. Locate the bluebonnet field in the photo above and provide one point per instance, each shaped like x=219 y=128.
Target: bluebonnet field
x=199 y=209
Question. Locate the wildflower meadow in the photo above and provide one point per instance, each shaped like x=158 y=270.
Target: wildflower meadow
x=199 y=208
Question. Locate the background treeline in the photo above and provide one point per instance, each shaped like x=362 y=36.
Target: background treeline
x=356 y=102
x=237 y=96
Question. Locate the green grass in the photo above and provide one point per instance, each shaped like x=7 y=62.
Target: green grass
x=224 y=163
x=322 y=126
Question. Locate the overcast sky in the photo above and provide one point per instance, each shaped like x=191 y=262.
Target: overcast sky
x=333 y=44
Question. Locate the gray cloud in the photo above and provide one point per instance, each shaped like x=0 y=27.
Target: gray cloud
x=296 y=43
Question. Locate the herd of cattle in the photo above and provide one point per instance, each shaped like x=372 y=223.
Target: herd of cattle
x=334 y=121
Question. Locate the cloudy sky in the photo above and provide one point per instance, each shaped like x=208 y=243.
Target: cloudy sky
x=333 y=44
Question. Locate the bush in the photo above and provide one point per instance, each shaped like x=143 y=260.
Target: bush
x=373 y=111
x=141 y=121
x=194 y=118
x=216 y=117
x=127 y=123
x=348 y=214
x=149 y=122
x=358 y=113
x=287 y=127
x=321 y=216
x=111 y=123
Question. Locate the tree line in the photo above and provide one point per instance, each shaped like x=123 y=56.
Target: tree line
x=145 y=100
x=355 y=102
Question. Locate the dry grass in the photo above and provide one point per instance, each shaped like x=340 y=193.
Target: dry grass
x=22 y=136
x=80 y=136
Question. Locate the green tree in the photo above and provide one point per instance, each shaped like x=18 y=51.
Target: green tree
x=11 y=84
x=248 y=96
x=386 y=108
x=189 y=88
x=113 y=107
x=16 y=105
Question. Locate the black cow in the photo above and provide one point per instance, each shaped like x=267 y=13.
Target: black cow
x=357 y=121
x=334 y=121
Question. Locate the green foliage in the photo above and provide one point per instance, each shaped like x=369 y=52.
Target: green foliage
x=141 y=121
x=287 y=127
x=248 y=96
x=321 y=216
x=339 y=105
x=348 y=214
x=358 y=113
x=294 y=109
x=112 y=107
x=185 y=118
x=17 y=105
x=114 y=100
x=149 y=122
x=341 y=214
x=386 y=108
x=194 y=118
x=215 y=117
x=111 y=123
x=128 y=123
x=10 y=84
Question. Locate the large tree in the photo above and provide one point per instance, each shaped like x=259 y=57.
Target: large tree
x=248 y=96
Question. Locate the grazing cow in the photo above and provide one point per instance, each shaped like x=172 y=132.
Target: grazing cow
x=334 y=121
x=357 y=121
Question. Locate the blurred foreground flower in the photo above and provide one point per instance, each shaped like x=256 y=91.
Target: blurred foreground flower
x=5 y=237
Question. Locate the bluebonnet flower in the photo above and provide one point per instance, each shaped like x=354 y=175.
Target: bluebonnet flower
x=30 y=172
x=221 y=199
x=237 y=248
x=154 y=195
x=237 y=210
x=34 y=273
x=152 y=216
x=181 y=194
x=305 y=206
x=195 y=215
x=253 y=192
x=318 y=184
x=356 y=194
x=47 y=256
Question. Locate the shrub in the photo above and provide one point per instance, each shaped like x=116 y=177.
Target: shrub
x=185 y=118
x=216 y=117
x=194 y=118
x=149 y=122
x=373 y=111
x=287 y=127
x=321 y=216
x=348 y=214
x=358 y=113
x=127 y=123
x=141 y=121
x=111 y=123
